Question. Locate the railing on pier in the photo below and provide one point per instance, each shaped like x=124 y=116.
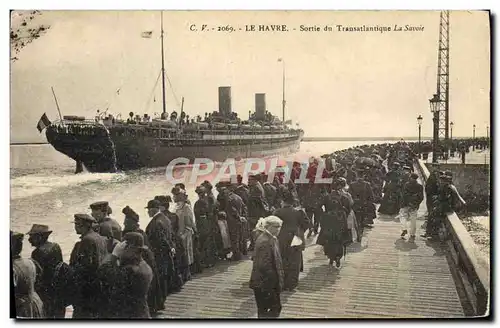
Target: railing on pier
x=472 y=266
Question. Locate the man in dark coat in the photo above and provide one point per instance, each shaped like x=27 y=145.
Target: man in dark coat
x=266 y=278
x=235 y=209
x=133 y=281
x=107 y=226
x=160 y=239
x=86 y=257
x=48 y=255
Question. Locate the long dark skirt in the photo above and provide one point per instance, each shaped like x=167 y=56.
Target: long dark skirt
x=181 y=264
x=292 y=263
x=158 y=289
x=197 y=266
x=334 y=234
x=390 y=204
x=207 y=248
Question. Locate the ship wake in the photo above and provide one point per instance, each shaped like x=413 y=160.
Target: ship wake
x=37 y=184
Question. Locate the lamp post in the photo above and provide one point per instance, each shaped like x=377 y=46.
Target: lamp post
x=488 y=136
x=283 y=101
x=474 y=137
x=434 y=105
x=419 y=121
x=452 y=149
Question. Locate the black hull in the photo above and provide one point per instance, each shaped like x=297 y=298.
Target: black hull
x=109 y=154
x=96 y=151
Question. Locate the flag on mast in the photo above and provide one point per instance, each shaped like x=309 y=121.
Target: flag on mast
x=147 y=34
x=280 y=59
x=43 y=123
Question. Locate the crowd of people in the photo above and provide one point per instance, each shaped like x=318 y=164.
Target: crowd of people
x=128 y=272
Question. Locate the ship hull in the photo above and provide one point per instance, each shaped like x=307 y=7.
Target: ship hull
x=136 y=154
x=106 y=153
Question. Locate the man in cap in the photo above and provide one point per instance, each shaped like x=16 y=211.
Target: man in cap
x=48 y=255
x=86 y=257
x=267 y=275
x=413 y=195
x=160 y=239
x=107 y=226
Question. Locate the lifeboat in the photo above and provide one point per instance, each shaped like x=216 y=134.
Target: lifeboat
x=73 y=118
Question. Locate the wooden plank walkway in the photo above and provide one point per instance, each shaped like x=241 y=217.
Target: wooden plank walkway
x=383 y=277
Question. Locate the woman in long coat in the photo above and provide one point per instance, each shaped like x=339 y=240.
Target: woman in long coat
x=347 y=201
x=295 y=223
x=205 y=226
x=391 y=201
x=334 y=232
x=186 y=227
x=28 y=303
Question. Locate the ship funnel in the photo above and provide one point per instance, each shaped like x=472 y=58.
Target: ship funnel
x=225 y=101
x=260 y=106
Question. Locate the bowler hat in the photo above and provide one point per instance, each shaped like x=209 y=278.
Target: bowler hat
x=134 y=239
x=102 y=205
x=164 y=200
x=39 y=229
x=153 y=204
x=84 y=217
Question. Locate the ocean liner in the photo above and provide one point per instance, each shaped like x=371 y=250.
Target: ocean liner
x=109 y=144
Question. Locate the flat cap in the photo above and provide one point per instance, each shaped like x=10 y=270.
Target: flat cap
x=101 y=205
x=84 y=217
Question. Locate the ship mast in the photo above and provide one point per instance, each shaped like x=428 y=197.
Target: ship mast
x=163 y=69
x=284 y=101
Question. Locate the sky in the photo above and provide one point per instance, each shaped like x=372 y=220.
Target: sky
x=338 y=84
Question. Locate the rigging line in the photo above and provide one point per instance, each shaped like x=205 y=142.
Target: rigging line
x=173 y=92
x=152 y=93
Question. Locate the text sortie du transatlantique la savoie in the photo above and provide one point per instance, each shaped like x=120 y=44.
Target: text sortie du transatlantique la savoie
x=306 y=28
